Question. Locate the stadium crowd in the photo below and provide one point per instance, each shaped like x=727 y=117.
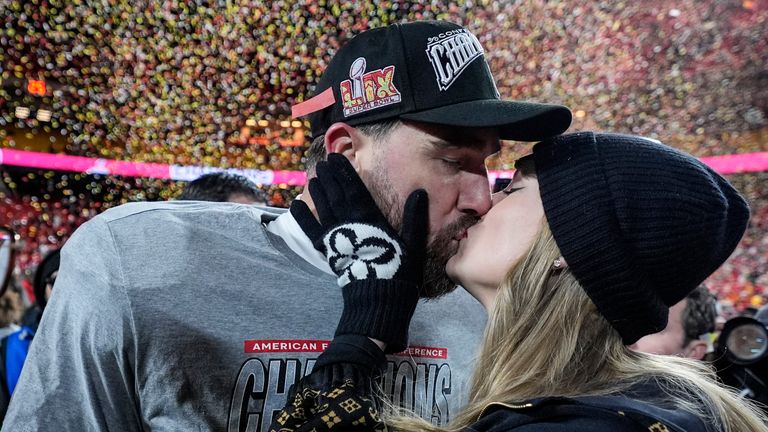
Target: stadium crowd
x=184 y=82
x=743 y=280
x=198 y=83
x=47 y=206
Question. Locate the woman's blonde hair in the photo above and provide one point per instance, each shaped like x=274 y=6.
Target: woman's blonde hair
x=545 y=337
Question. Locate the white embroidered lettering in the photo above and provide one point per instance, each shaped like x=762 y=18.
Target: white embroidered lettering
x=450 y=53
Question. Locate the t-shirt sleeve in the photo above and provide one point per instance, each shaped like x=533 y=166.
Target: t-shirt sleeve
x=79 y=374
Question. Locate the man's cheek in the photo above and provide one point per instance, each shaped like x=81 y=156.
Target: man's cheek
x=436 y=224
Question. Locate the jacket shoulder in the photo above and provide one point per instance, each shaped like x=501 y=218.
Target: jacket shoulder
x=583 y=414
x=557 y=419
x=182 y=209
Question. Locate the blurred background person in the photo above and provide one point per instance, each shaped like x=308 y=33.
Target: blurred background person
x=10 y=314
x=690 y=323
x=223 y=186
x=16 y=339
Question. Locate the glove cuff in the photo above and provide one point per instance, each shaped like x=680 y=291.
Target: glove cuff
x=380 y=309
x=356 y=350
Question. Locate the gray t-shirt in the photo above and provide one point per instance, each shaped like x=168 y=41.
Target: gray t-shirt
x=191 y=316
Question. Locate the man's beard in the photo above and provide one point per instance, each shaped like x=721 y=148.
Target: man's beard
x=439 y=250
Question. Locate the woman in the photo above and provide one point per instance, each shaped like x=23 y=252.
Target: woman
x=583 y=254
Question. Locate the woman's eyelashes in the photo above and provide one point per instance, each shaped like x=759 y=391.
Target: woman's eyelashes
x=451 y=165
x=510 y=190
x=452 y=162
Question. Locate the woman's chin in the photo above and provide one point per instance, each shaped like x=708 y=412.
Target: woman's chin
x=451 y=268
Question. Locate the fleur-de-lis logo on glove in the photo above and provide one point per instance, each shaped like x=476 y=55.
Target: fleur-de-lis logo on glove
x=358 y=251
x=354 y=235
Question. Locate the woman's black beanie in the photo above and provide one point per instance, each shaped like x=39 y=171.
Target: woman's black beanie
x=639 y=223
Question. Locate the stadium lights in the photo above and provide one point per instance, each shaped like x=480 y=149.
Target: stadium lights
x=36 y=87
x=296 y=123
x=580 y=114
x=263 y=123
x=44 y=115
x=22 y=112
x=285 y=124
x=250 y=122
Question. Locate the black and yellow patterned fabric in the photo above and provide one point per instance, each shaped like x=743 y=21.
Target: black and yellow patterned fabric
x=339 y=408
x=339 y=393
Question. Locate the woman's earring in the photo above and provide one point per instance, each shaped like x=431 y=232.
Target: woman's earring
x=558 y=264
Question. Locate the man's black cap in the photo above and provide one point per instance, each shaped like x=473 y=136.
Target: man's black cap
x=427 y=71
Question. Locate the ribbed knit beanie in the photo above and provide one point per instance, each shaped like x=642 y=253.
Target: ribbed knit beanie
x=640 y=224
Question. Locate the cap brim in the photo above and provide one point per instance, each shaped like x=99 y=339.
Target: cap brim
x=518 y=121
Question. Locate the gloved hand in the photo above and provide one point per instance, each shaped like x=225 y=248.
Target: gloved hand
x=379 y=270
x=339 y=394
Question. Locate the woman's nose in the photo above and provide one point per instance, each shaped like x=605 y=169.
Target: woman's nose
x=497 y=197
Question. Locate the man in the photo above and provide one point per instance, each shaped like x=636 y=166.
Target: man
x=14 y=347
x=223 y=187
x=689 y=320
x=183 y=316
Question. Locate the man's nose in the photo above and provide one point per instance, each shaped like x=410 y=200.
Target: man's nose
x=475 y=196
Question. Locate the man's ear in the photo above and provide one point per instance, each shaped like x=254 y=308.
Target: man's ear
x=696 y=349
x=345 y=139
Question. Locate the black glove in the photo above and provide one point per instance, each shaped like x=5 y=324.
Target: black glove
x=379 y=270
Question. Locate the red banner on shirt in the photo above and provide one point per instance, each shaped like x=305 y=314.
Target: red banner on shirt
x=425 y=352
x=254 y=346
x=283 y=346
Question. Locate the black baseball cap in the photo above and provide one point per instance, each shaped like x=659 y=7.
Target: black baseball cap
x=426 y=71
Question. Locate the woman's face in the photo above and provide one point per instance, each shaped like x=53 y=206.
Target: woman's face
x=499 y=240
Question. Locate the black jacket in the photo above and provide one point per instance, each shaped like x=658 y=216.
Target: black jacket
x=589 y=413
x=340 y=388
